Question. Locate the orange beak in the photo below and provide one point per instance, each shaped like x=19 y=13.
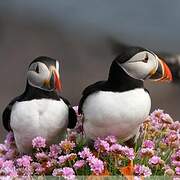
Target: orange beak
x=162 y=73
x=57 y=81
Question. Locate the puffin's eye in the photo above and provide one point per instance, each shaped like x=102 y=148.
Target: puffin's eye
x=145 y=60
x=37 y=68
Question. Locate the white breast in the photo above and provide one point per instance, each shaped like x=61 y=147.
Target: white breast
x=45 y=117
x=114 y=113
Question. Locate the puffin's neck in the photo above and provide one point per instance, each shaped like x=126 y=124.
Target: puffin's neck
x=118 y=79
x=36 y=93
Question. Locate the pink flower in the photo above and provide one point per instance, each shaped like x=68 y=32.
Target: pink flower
x=54 y=151
x=101 y=145
x=3 y=149
x=141 y=170
x=96 y=165
x=85 y=153
x=67 y=146
x=175 y=158
x=111 y=139
x=9 y=138
x=148 y=152
x=41 y=156
x=66 y=172
x=148 y=144
x=79 y=164
x=62 y=159
x=155 y=160
x=8 y=168
x=39 y=142
x=24 y=161
x=175 y=126
x=39 y=169
x=123 y=150
x=177 y=170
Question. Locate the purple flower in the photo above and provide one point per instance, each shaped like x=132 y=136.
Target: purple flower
x=148 y=144
x=96 y=165
x=66 y=172
x=3 y=149
x=155 y=160
x=175 y=158
x=54 y=151
x=39 y=142
x=39 y=169
x=177 y=170
x=128 y=152
x=1 y=162
x=123 y=150
x=141 y=170
x=101 y=145
x=146 y=152
x=111 y=139
x=41 y=156
x=9 y=138
x=175 y=126
x=8 y=168
x=62 y=159
x=24 y=161
x=85 y=153
x=67 y=146
x=79 y=164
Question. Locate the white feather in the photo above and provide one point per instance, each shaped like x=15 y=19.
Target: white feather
x=114 y=113
x=45 y=117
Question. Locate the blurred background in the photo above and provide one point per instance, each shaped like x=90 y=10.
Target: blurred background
x=81 y=35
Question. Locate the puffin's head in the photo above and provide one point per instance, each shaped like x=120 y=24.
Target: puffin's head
x=142 y=64
x=43 y=73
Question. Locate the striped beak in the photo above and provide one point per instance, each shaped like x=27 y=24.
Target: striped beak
x=162 y=73
x=54 y=81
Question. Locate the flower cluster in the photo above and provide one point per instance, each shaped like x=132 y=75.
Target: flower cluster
x=156 y=152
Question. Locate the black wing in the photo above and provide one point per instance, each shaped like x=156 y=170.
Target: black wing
x=72 y=114
x=7 y=113
x=100 y=85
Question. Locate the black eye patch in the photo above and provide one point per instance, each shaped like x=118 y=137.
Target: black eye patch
x=37 y=68
x=145 y=60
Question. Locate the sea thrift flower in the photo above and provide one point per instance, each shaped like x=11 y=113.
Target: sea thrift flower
x=155 y=160
x=141 y=170
x=9 y=138
x=3 y=149
x=111 y=139
x=175 y=158
x=146 y=152
x=8 y=169
x=62 y=159
x=39 y=142
x=85 y=153
x=66 y=172
x=79 y=164
x=96 y=165
x=148 y=144
x=177 y=170
x=54 y=151
x=67 y=146
x=41 y=156
x=39 y=169
x=24 y=161
x=175 y=126
x=101 y=145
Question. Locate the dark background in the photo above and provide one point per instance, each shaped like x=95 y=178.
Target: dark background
x=79 y=34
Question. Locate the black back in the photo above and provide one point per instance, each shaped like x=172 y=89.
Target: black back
x=35 y=93
x=118 y=81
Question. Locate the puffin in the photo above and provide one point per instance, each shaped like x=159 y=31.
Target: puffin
x=40 y=110
x=119 y=105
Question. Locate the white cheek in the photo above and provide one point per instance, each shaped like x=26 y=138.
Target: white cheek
x=37 y=79
x=139 y=70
